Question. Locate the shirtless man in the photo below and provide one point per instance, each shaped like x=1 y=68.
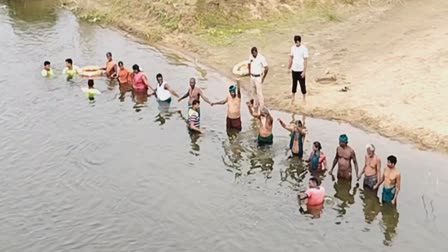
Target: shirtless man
x=194 y=93
x=233 y=101
x=392 y=181
x=297 y=135
x=372 y=169
x=265 y=136
x=344 y=156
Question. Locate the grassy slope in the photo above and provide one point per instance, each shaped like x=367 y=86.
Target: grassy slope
x=216 y=20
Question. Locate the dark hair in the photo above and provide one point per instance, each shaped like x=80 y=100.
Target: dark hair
x=136 y=67
x=392 y=159
x=120 y=63
x=254 y=49
x=90 y=82
x=316 y=180
x=109 y=54
x=195 y=102
x=297 y=38
x=46 y=63
x=70 y=61
x=251 y=101
x=159 y=75
x=299 y=122
x=317 y=145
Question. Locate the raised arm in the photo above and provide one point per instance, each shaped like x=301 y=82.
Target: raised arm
x=251 y=111
x=283 y=124
x=238 y=88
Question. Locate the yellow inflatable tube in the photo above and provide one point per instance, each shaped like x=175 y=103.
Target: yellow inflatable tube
x=91 y=71
x=241 y=69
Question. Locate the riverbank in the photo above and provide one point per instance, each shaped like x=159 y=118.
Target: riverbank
x=361 y=45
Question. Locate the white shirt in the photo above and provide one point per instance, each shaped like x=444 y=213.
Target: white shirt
x=299 y=54
x=257 y=64
x=162 y=93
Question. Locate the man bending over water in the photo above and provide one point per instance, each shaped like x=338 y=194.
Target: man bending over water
x=193 y=118
x=344 y=156
x=265 y=136
x=233 y=101
x=297 y=134
x=392 y=181
x=372 y=169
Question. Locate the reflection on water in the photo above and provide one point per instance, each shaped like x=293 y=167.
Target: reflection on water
x=371 y=204
x=345 y=198
x=389 y=223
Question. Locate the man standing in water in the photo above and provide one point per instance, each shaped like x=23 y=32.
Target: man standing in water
x=265 y=136
x=124 y=80
x=372 y=169
x=298 y=62
x=344 y=156
x=258 y=70
x=233 y=101
x=392 y=181
x=193 y=117
x=297 y=134
x=47 y=71
x=194 y=93
x=70 y=70
x=163 y=91
x=111 y=67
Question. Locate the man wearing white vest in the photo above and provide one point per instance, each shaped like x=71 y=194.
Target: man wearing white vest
x=163 y=91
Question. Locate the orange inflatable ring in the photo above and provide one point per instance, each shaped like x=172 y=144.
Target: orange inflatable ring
x=241 y=69
x=91 y=71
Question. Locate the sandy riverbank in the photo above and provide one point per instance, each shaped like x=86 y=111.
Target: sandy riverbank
x=390 y=56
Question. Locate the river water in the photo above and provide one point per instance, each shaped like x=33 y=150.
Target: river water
x=104 y=176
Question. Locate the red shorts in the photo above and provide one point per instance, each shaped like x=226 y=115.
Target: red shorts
x=234 y=123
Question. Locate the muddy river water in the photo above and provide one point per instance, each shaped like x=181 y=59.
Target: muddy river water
x=104 y=176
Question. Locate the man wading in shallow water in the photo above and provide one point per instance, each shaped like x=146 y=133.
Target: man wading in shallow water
x=392 y=181
x=233 y=101
x=344 y=156
x=265 y=136
x=194 y=93
x=297 y=135
x=372 y=169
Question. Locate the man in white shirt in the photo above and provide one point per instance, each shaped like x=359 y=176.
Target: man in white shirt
x=298 y=62
x=258 y=69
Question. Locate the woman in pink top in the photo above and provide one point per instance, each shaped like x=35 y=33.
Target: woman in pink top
x=140 y=82
x=315 y=193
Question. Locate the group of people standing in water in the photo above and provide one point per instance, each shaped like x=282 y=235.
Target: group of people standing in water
x=136 y=81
